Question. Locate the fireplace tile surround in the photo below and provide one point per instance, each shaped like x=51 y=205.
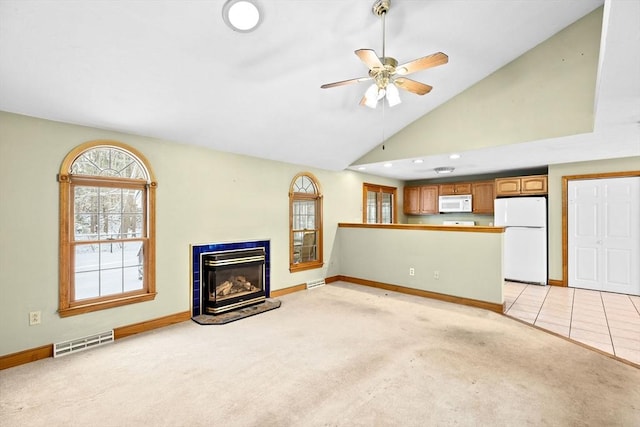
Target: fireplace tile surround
x=196 y=258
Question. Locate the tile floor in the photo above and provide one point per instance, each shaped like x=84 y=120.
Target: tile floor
x=607 y=321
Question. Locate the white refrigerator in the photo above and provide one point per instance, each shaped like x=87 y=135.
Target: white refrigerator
x=525 y=238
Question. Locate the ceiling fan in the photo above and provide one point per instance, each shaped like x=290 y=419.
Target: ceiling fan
x=387 y=75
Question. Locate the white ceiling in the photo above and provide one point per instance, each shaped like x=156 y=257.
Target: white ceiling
x=173 y=70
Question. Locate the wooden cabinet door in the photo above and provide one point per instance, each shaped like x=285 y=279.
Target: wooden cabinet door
x=463 y=188
x=447 y=189
x=535 y=184
x=429 y=199
x=411 y=202
x=483 y=195
x=451 y=189
x=507 y=186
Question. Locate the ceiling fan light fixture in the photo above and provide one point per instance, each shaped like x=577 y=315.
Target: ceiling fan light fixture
x=371 y=96
x=393 y=96
x=444 y=169
x=242 y=16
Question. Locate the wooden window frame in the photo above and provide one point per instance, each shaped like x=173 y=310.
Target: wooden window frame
x=67 y=181
x=366 y=187
x=317 y=197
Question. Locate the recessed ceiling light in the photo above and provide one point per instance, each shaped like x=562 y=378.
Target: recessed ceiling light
x=361 y=168
x=418 y=161
x=241 y=15
x=454 y=156
x=387 y=165
x=444 y=169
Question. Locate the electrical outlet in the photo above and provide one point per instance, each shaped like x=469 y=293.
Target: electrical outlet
x=412 y=271
x=35 y=317
x=436 y=275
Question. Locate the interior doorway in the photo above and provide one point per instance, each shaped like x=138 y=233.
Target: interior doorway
x=603 y=234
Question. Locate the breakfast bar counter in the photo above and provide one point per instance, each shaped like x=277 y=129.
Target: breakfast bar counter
x=453 y=263
x=426 y=227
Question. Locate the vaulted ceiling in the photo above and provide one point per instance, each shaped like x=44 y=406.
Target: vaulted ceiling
x=173 y=70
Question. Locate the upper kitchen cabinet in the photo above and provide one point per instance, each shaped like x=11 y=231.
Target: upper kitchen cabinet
x=421 y=200
x=455 y=188
x=521 y=186
x=482 y=197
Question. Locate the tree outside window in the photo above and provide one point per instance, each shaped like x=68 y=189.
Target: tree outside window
x=107 y=227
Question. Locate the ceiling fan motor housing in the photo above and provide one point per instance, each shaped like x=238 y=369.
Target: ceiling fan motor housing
x=382 y=75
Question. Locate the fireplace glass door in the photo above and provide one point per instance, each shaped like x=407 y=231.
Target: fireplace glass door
x=232 y=279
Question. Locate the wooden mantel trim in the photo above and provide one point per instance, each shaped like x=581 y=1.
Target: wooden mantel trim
x=425 y=227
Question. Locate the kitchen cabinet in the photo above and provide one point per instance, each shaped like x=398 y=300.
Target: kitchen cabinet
x=482 y=197
x=421 y=200
x=455 y=188
x=411 y=201
x=536 y=184
x=521 y=186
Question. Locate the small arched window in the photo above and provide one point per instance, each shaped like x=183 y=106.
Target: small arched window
x=107 y=228
x=305 y=223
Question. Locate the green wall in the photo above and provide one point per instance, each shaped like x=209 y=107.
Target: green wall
x=203 y=196
x=468 y=264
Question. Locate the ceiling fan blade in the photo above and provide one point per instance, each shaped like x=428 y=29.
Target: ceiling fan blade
x=370 y=58
x=422 y=63
x=345 y=82
x=412 y=86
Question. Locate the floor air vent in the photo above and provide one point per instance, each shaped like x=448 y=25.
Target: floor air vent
x=315 y=283
x=80 y=344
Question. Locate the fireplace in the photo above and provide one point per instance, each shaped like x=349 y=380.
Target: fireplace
x=231 y=279
x=199 y=286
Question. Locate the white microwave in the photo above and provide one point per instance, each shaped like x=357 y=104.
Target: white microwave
x=457 y=203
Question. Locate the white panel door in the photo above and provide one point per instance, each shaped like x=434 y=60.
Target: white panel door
x=604 y=234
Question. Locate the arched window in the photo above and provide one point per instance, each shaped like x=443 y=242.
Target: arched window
x=107 y=228
x=305 y=223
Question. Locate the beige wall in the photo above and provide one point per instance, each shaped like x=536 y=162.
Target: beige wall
x=556 y=172
x=469 y=264
x=547 y=92
x=203 y=196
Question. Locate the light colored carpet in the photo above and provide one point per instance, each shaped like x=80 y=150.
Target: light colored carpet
x=338 y=355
